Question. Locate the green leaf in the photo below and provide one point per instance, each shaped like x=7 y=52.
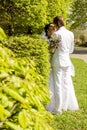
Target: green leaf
x=14 y=94
x=2 y=34
x=4 y=101
x=1 y=112
x=22 y=117
x=13 y=126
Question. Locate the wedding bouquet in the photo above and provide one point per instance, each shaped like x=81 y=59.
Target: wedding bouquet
x=54 y=40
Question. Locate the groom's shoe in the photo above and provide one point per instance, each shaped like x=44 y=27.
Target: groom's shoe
x=59 y=112
x=56 y=112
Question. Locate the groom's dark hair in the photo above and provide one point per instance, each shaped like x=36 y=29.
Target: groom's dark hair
x=57 y=20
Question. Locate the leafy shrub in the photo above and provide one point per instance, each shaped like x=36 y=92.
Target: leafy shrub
x=21 y=99
x=23 y=91
x=2 y=34
x=33 y=48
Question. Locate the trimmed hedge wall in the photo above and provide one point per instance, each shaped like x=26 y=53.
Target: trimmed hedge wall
x=23 y=84
x=33 y=48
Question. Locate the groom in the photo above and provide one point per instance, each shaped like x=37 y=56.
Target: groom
x=61 y=64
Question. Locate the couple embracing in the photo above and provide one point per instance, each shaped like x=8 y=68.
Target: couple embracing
x=61 y=45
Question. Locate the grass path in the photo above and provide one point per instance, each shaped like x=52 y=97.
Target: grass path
x=75 y=120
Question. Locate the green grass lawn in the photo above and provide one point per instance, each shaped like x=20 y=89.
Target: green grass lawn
x=75 y=120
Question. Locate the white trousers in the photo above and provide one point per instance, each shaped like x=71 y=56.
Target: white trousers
x=62 y=90
x=61 y=86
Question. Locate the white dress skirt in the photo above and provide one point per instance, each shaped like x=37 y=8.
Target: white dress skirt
x=51 y=105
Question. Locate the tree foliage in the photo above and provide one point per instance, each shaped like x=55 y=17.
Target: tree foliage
x=23 y=13
x=30 y=14
x=58 y=7
x=78 y=17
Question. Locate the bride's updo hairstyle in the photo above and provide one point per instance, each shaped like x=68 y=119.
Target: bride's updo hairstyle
x=58 y=20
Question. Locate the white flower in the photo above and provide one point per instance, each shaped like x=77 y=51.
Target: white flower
x=55 y=38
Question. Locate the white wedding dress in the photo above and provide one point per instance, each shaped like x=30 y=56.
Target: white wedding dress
x=51 y=105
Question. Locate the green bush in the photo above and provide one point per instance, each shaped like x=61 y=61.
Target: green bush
x=23 y=84
x=2 y=34
x=33 y=48
x=22 y=16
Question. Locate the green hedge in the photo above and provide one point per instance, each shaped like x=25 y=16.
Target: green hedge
x=33 y=48
x=23 y=84
x=2 y=34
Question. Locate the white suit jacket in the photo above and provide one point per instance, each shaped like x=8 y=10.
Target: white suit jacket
x=65 y=47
